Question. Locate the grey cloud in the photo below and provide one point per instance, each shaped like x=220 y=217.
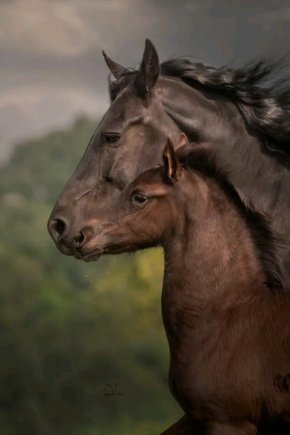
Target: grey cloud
x=52 y=68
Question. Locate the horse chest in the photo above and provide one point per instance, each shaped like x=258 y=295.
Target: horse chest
x=206 y=374
x=191 y=339
x=206 y=386
x=194 y=367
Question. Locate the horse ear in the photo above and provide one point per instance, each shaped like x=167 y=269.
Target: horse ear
x=148 y=72
x=182 y=140
x=116 y=69
x=172 y=166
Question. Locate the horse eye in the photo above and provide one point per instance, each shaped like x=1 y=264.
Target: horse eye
x=139 y=199
x=111 y=138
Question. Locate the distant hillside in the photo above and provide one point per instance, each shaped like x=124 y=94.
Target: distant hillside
x=70 y=331
x=45 y=163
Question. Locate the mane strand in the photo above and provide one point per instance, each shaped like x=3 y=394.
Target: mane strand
x=258 y=89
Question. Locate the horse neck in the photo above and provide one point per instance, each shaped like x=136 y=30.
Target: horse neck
x=203 y=117
x=211 y=257
x=258 y=175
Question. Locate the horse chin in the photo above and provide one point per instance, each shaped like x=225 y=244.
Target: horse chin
x=91 y=256
x=107 y=249
x=65 y=250
x=94 y=257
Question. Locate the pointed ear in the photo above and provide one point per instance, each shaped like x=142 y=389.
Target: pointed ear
x=148 y=72
x=182 y=140
x=116 y=69
x=172 y=167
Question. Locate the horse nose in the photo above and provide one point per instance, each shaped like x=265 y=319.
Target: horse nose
x=58 y=227
x=79 y=240
x=82 y=238
x=67 y=235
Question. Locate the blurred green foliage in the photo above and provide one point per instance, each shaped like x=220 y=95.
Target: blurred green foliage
x=83 y=349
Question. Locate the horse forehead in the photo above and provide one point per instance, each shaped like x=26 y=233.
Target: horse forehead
x=126 y=104
x=149 y=179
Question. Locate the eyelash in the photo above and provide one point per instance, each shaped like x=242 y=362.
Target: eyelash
x=111 y=138
x=139 y=199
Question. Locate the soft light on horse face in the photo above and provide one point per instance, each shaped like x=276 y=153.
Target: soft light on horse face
x=127 y=142
x=136 y=218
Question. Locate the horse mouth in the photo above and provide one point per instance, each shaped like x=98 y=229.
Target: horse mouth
x=95 y=254
x=91 y=256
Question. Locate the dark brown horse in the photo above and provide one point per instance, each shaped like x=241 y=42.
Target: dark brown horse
x=227 y=325
x=243 y=117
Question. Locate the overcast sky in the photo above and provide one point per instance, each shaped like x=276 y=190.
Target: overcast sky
x=51 y=68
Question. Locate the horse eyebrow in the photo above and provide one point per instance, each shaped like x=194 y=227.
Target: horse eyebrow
x=158 y=193
x=133 y=121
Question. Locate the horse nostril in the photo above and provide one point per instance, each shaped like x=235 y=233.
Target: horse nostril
x=60 y=227
x=57 y=228
x=79 y=240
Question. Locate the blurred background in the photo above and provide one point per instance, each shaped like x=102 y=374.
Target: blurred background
x=82 y=346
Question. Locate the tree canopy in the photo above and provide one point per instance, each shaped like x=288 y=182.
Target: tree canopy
x=83 y=350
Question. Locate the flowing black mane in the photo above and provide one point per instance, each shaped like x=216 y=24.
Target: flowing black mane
x=258 y=89
x=261 y=95
x=202 y=160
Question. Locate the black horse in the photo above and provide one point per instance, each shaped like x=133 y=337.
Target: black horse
x=243 y=115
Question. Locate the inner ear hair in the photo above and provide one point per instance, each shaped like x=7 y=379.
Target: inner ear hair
x=181 y=141
x=172 y=167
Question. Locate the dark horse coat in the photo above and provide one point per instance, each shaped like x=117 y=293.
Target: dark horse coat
x=243 y=115
x=226 y=318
